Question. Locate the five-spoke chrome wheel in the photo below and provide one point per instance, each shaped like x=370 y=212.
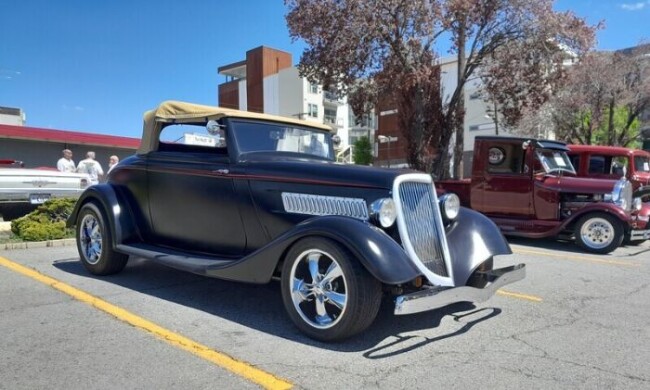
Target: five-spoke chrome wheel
x=318 y=288
x=599 y=233
x=326 y=291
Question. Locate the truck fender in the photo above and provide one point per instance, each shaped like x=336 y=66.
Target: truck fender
x=472 y=240
x=601 y=207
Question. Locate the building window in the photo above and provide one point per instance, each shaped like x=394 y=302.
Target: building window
x=313 y=88
x=330 y=116
x=312 y=110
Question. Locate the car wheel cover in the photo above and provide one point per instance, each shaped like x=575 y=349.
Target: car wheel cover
x=597 y=233
x=319 y=289
x=90 y=239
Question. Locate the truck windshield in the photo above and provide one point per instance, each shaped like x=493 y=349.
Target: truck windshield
x=555 y=161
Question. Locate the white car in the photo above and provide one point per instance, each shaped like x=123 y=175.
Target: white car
x=22 y=189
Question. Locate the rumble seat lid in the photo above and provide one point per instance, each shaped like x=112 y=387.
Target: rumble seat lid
x=181 y=112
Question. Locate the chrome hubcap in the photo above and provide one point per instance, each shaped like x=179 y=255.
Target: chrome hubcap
x=597 y=233
x=90 y=238
x=318 y=289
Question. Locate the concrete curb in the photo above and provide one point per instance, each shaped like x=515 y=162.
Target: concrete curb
x=38 y=244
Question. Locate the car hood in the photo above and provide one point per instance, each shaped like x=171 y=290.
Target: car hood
x=311 y=171
x=580 y=185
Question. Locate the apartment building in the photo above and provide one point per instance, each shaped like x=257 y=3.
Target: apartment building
x=267 y=82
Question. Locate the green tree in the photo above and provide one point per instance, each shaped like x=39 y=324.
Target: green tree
x=362 y=153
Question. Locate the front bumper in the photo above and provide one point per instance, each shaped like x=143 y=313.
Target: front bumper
x=637 y=235
x=437 y=297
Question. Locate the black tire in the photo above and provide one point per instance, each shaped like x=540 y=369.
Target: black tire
x=599 y=233
x=94 y=243
x=628 y=242
x=309 y=305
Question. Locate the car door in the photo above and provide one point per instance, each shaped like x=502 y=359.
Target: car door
x=192 y=200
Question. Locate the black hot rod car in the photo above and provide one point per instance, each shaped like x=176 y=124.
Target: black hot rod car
x=252 y=197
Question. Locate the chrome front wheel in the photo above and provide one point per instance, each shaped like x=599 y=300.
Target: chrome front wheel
x=327 y=293
x=318 y=289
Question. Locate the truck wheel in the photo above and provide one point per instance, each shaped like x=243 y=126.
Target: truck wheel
x=327 y=293
x=599 y=233
x=94 y=243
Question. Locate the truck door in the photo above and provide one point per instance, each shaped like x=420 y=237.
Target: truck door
x=507 y=185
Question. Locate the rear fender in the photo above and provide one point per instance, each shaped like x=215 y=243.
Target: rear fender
x=118 y=217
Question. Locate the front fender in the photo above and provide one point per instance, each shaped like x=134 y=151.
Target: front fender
x=472 y=240
x=378 y=252
x=117 y=217
x=600 y=207
x=382 y=256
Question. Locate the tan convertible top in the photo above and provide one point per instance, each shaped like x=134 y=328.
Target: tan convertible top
x=180 y=112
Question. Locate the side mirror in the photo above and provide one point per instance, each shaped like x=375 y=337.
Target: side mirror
x=336 y=139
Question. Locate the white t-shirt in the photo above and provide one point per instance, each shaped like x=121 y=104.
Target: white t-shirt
x=92 y=168
x=65 y=165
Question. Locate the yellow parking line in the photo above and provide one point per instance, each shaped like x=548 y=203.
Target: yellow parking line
x=235 y=366
x=520 y=296
x=579 y=258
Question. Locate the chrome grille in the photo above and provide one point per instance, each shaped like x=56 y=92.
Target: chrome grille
x=324 y=205
x=422 y=224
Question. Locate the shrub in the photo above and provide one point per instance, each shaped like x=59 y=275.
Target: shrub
x=47 y=222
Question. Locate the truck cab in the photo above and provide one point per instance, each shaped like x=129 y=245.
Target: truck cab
x=529 y=188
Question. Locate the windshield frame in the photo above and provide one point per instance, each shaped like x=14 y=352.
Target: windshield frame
x=247 y=144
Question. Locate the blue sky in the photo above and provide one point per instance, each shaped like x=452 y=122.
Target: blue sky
x=96 y=66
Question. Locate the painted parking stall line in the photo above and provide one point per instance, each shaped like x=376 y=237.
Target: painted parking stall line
x=243 y=369
x=578 y=258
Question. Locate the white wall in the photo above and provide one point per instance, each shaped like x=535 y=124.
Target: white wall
x=272 y=95
x=243 y=95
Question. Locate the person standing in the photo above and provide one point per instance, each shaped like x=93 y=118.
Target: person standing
x=112 y=162
x=65 y=163
x=90 y=166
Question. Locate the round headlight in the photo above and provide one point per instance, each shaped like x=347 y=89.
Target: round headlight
x=450 y=205
x=383 y=211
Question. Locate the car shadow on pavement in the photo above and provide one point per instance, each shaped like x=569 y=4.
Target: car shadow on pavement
x=260 y=307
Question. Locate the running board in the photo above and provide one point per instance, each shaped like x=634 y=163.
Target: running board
x=195 y=264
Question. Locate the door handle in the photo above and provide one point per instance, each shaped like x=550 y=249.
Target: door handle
x=221 y=171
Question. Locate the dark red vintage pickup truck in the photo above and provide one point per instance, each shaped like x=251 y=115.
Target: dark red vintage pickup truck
x=529 y=188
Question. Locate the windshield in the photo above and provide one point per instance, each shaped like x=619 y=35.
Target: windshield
x=641 y=164
x=269 y=137
x=554 y=161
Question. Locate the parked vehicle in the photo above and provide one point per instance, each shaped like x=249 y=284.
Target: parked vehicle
x=614 y=162
x=529 y=188
x=252 y=197
x=22 y=189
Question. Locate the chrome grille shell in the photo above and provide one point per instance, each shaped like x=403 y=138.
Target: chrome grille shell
x=419 y=222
